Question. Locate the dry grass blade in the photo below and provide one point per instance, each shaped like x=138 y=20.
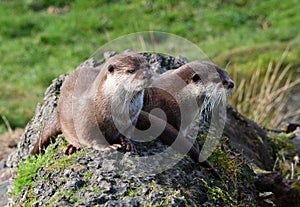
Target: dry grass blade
x=294 y=115
x=263 y=99
x=278 y=65
x=7 y=124
x=281 y=76
x=265 y=81
x=142 y=42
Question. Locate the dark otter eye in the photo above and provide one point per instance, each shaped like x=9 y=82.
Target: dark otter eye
x=131 y=71
x=111 y=68
x=196 y=78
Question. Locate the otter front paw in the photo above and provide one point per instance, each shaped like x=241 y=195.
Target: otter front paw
x=70 y=149
x=127 y=145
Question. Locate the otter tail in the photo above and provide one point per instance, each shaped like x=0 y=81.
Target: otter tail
x=52 y=128
x=171 y=137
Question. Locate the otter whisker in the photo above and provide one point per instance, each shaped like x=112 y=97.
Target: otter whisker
x=214 y=97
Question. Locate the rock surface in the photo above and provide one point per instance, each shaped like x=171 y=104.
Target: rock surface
x=99 y=178
x=8 y=144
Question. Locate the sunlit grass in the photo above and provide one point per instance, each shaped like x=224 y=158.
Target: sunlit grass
x=37 y=46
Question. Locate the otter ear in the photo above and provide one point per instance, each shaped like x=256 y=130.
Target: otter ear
x=111 y=68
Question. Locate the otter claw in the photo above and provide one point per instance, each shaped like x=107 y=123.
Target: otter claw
x=127 y=144
x=70 y=149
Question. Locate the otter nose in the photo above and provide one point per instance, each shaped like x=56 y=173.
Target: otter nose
x=147 y=75
x=228 y=84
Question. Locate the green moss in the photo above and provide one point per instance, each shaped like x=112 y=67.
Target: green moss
x=70 y=194
x=219 y=196
x=96 y=190
x=231 y=164
x=27 y=203
x=235 y=171
x=28 y=170
x=66 y=161
x=133 y=193
x=62 y=193
x=296 y=186
x=88 y=175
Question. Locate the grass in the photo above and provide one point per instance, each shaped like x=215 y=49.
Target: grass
x=37 y=46
x=263 y=97
x=287 y=159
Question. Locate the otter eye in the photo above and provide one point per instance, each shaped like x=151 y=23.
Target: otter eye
x=196 y=78
x=111 y=68
x=131 y=71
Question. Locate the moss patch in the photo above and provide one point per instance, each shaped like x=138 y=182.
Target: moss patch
x=29 y=169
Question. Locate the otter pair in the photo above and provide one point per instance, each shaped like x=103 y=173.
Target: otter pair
x=98 y=105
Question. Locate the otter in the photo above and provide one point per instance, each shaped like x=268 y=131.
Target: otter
x=96 y=105
x=182 y=94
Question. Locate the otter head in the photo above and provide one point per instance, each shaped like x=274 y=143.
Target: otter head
x=127 y=75
x=213 y=75
x=205 y=81
x=129 y=71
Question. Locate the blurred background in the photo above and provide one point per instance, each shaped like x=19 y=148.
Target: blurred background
x=257 y=41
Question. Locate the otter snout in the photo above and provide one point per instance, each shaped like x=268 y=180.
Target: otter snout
x=228 y=84
x=226 y=81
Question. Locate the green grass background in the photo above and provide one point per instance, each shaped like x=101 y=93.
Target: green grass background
x=36 y=46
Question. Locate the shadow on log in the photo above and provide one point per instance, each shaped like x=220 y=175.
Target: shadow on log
x=249 y=138
x=284 y=193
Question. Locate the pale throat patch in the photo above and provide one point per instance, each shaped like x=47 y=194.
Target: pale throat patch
x=136 y=106
x=126 y=103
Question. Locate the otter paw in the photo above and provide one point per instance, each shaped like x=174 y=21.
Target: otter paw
x=70 y=149
x=127 y=144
